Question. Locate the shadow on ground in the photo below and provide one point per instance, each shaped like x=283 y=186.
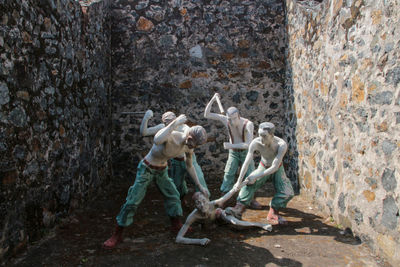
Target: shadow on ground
x=308 y=240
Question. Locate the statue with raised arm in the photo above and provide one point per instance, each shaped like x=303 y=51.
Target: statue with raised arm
x=241 y=134
x=168 y=143
x=211 y=210
x=178 y=166
x=272 y=150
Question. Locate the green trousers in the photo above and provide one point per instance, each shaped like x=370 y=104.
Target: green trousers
x=179 y=174
x=235 y=159
x=283 y=189
x=137 y=191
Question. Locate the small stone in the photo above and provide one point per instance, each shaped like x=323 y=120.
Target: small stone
x=17 y=117
x=209 y=18
x=186 y=84
x=393 y=76
x=244 y=44
x=252 y=96
x=168 y=40
x=390 y=211
x=357 y=89
x=69 y=78
x=236 y=97
x=389 y=47
x=142 y=4
x=4 y=94
x=389 y=181
x=144 y=24
x=388 y=147
x=49 y=90
x=19 y=152
x=23 y=95
x=277 y=245
x=397 y=114
x=196 y=51
x=341 y=202
x=383 y=98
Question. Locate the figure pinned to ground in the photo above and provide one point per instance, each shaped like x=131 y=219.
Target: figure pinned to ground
x=210 y=211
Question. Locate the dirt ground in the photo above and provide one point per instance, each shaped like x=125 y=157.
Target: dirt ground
x=309 y=239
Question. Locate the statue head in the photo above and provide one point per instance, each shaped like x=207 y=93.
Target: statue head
x=168 y=117
x=233 y=116
x=201 y=202
x=196 y=136
x=266 y=130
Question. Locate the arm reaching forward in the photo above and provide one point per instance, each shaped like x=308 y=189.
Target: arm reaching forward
x=163 y=134
x=247 y=138
x=246 y=162
x=148 y=131
x=221 y=201
x=180 y=238
x=276 y=163
x=192 y=172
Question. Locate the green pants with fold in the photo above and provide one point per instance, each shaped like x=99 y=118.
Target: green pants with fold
x=282 y=185
x=144 y=176
x=179 y=174
x=235 y=159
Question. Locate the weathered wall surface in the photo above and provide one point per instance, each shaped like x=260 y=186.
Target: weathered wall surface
x=345 y=74
x=54 y=113
x=174 y=55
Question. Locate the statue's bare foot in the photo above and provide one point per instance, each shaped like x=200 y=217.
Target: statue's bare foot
x=277 y=220
x=115 y=239
x=267 y=227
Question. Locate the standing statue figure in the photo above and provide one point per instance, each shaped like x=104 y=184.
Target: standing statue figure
x=211 y=210
x=241 y=134
x=272 y=150
x=178 y=166
x=168 y=144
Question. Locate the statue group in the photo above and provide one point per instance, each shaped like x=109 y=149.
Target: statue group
x=175 y=141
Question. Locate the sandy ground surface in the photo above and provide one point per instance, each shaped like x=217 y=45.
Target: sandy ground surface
x=310 y=239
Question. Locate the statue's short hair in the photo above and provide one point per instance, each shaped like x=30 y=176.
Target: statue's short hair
x=269 y=125
x=232 y=110
x=169 y=115
x=199 y=134
x=196 y=195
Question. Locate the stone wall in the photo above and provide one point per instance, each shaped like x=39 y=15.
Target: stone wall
x=54 y=113
x=174 y=55
x=344 y=72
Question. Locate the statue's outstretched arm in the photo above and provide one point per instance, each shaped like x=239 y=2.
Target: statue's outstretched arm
x=163 y=134
x=234 y=221
x=149 y=131
x=248 y=138
x=180 y=238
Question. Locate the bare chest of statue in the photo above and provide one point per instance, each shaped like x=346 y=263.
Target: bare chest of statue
x=237 y=133
x=268 y=152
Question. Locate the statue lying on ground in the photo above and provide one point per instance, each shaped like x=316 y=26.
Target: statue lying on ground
x=210 y=210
